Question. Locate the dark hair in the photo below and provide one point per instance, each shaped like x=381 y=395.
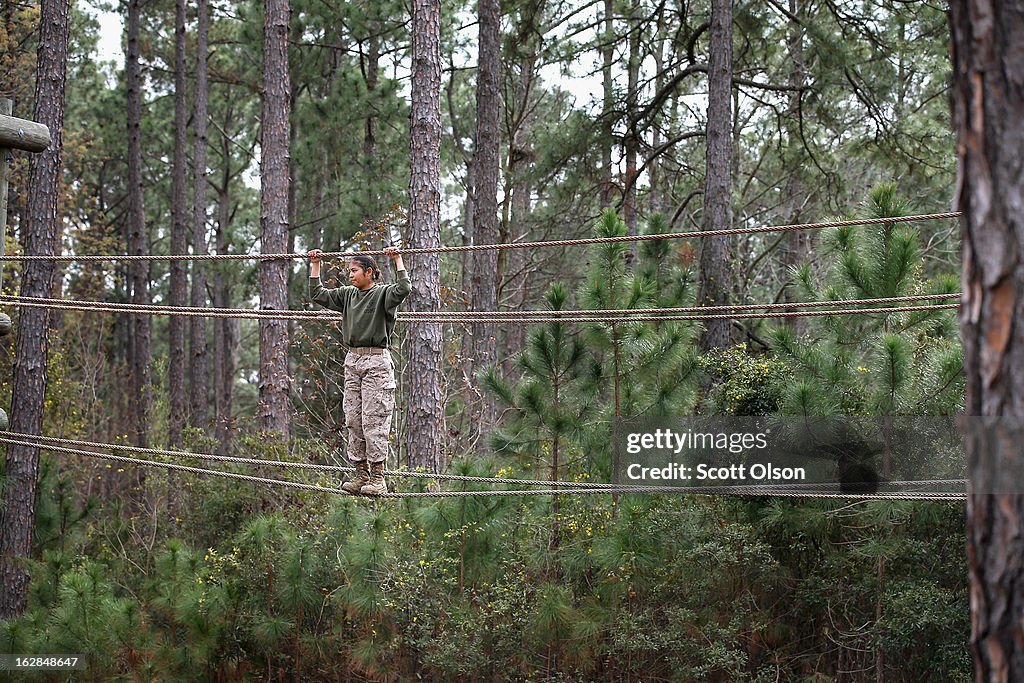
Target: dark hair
x=368 y=263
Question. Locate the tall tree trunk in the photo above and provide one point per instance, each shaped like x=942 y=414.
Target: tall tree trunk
x=469 y=224
x=199 y=362
x=120 y=357
x=179 y=238
x=6 y=109
x=483 y=265
x=274 y=399
x=631 y=142
x=468 y=212
x=608 y=104
x=40 y=235
x=370 y=129
x=293 y=128
x=714 y=253
x=138 y=237
x=988 y=113
x=798 y=242
x=225 y=354
x=423 y=370
x=521 y=157
x=657 y=193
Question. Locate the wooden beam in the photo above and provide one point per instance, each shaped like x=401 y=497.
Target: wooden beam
x=22 y=134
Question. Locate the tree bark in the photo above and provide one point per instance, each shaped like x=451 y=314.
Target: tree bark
x=179 y=238
x=40 y=235
x=714 y=253
x=798 y=242
x=293 y=128
x=141 y=326
x=988 y=114
x=226 y=330
x=199 y=362
x=631 y=143
x=656 y=192
x=274 y=398
x=483 y=265
x=513 y=262
x=607 y=121
x=423 y=371
x=370 y=164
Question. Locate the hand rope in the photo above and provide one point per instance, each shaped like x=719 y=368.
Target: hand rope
x=669 y=318
x=30 y=301
x=464 y=317
x=480 y=247
x=687 y=309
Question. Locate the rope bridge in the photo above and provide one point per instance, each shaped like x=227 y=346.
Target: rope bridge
x=84 y=448
x=607 y=316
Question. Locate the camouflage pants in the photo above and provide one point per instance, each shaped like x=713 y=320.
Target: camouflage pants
x=369 y=402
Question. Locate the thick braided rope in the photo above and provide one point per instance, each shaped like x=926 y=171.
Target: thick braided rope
x=687 y=309
x=184 y=311
x=507 y=245
x=747 y=491
x=171 y=466
x=713 y=316
x=107 y=306
x=752 y=491
x=467 y=317
x=662 y=489
x=44 y=441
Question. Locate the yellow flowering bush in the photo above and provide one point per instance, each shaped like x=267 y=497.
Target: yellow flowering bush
x=744 y=384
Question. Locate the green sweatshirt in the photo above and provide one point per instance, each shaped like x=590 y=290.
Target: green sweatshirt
x=369 y=316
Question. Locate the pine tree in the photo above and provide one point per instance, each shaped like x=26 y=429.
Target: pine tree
x=648 y=368
x=875 y=365
x=275 y=410
x=425 y=407
x=545 y=411
x=891 y=364
x=657 y=357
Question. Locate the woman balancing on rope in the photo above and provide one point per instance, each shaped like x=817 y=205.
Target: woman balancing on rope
x=368 y=325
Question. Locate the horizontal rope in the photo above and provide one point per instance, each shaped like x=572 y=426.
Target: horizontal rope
x=687 y=309
x=185 y=311
x=751 y=491
x=169 y=466
x=465 y=317
x=410 y=315
x=713 y=316
x=46 y=440
x=661 y=489
x=481 y=247
x=285 y=463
